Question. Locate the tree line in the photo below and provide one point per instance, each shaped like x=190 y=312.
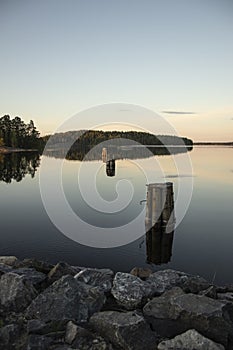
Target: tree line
x=16 y=133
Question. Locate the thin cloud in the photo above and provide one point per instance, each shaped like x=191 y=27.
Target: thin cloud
x=177 y=112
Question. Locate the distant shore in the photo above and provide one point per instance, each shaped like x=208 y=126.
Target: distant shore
x=6 y=150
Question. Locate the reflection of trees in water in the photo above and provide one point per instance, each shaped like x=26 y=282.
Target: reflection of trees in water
x=16 y=166
x=115 y=151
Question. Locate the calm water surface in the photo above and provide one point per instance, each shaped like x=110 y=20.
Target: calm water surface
x=201 y=244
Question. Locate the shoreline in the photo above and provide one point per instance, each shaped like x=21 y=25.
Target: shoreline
x=7 y=150
x=47 y=306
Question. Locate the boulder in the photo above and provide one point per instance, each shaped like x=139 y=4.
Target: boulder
x=228 y=296
x=16 y=293
x=66 y=299
x=82 y=338
x=125 y=330
x=100 y=278
x=9 y=336
x=38 y=342
x=161 y=281
x=38 y=265
x=31 y=275
x=8 y=260
x=210 y=292
x=130 y=291
x=141 y=272
x=61 y=269
x=190 y=340
x=174 y=313
x=4 y=268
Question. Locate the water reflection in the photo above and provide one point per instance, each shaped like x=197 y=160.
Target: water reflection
x=159 y=223
x=110 y=167
x=16 y=166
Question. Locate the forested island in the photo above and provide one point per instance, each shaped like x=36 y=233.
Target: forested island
x=88 y=144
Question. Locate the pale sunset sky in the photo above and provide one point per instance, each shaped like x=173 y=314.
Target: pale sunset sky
x=174 y=57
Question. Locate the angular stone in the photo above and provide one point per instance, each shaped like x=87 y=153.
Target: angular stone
x=100 y=278
x=161 y=281
x=190 y=340
x=31 y=275
x=171 y=315
x=8 y=260
x=59 y=270
x=71 y=332
x=15 y=292
x=210 y=292
x=9 y=336
x=130 y=291
x=38 y=342
x=38 y=265
x=141 y=272
x=4 y=268
x=66 y=299
x=82 y=338
x=228 y=297
x=126 y=330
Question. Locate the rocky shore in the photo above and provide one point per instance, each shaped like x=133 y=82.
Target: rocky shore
x=63 y=307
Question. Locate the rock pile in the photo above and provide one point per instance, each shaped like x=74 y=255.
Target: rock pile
x=63 y=307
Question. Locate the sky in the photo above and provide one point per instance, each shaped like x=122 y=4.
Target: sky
x=58 y=57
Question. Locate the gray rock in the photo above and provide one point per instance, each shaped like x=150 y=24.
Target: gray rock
x=130 y=291
x=100 y=278
x=15 y=292
x=36 y=326
x=4 y=268
x=161 y=281
x=190 y=340
x=127 y=330
x=8 y=260
x=82 y=338
x=38 y=265
x=31 y=275
x=174 y=314
x=210 y=292
x=66 y=299
x=38 y=342
x=59 y=270
x=228 y=297
x=71 y=332
x=141 y=272
x=9 y=336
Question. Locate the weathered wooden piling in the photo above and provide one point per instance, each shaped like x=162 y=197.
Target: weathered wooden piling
x=104 y=155
x=160 y=205
x=159 y=222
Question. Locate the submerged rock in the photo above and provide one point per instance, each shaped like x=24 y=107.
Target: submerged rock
x=100 y=278
x=126 y=330
x=16 y=293
x=190 y=340
x=129 y=291
x=66 y=299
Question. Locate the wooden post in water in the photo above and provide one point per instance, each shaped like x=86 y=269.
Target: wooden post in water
x=104 y=155
x=159 y=221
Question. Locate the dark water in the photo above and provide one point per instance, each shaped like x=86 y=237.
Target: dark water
x=201 y=244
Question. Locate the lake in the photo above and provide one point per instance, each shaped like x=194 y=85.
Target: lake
x=201 y=244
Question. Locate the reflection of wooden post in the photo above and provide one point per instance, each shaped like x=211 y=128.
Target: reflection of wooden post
x=104 y=155
x=159 y=222
x=110 y=167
